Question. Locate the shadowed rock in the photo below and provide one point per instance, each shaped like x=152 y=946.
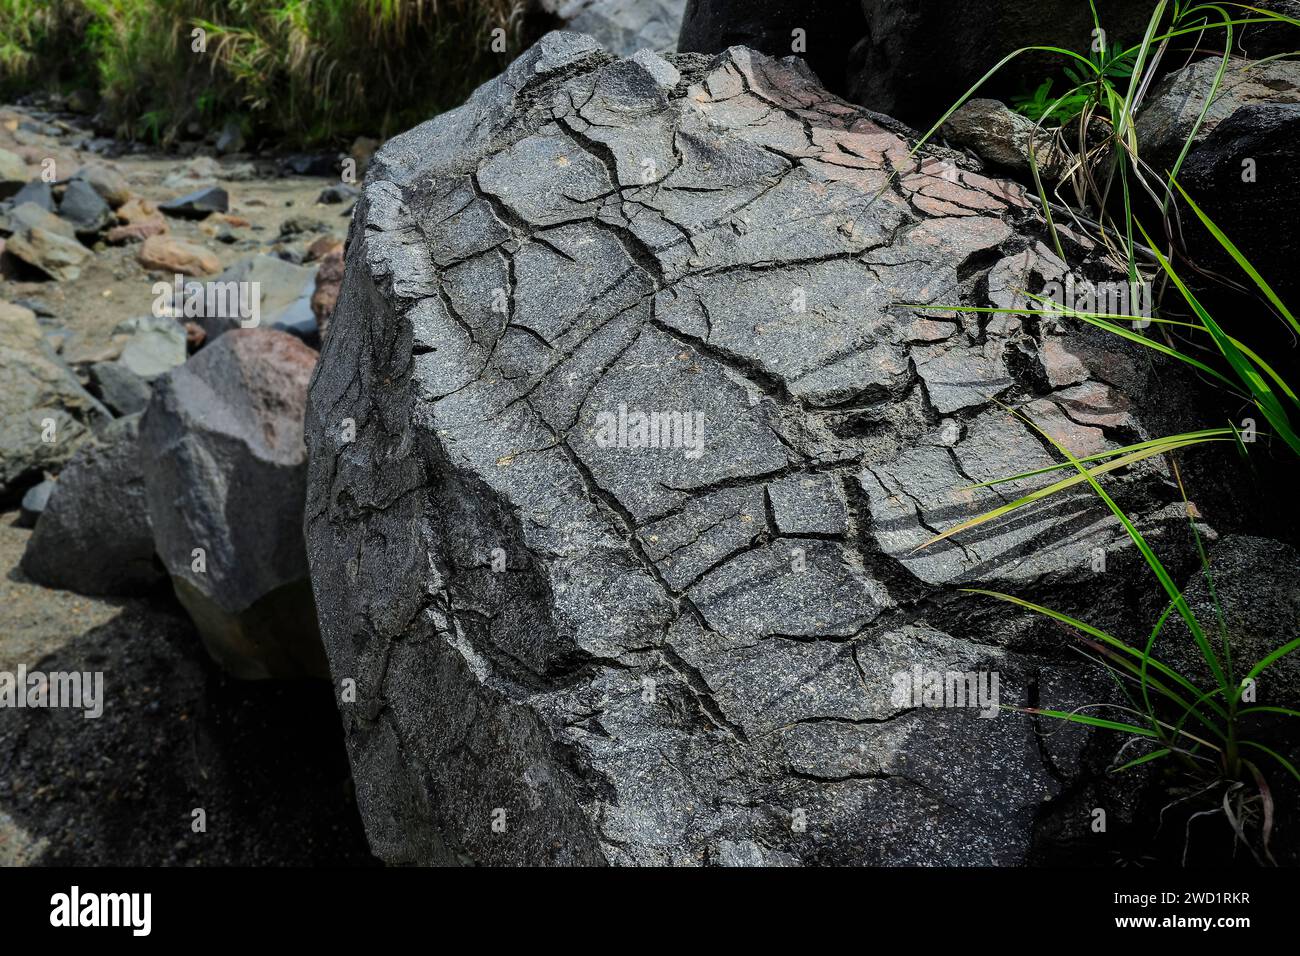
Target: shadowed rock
x=679 y=639
x=94 y=535
x=224 y=461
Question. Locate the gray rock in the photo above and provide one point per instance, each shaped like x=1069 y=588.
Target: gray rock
x=1240 y=167
x=13 y=173
x=198 y=204
x=119 y=388
x=641 y=640
x=94 y=537
x=84 y=208
x=338 y=193
x=45 y=414
x=111 y=185
x=37 y=192
x=1255 y=604
x=154 y=346
x=38 y=215
x=1004 y=138
x=1268 y=137
x=45 y=242
x=285 y=291
x=231 y=139
x=1172 y=109
x=222 y=447
x=34 y=503
x=623 y=26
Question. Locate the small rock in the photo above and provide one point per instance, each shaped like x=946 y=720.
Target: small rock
x=51 y=252
x=1003 y=138
x=363 y=148
x=122 y=390
x=231 y=139
x=138 y=231
x=198 y=204
x=155 y=345
x=285 y=302
x=315 y=164
x=341 y=192
x=167 y=254
x=301 y=225
x=137 y=210
x=84 y=208
x=35 y=215
x=38 y=193
x=225 y=471
x=40 y=398
x=13 y=173
x=108 y=182
x=195 y=336
x=329 y=279
x=34 y=503
x=322 y=247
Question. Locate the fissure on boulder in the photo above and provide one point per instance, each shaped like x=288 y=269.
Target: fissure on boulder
x=632 y=655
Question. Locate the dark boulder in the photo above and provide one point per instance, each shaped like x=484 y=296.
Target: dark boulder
x=566 y=631
x=94 y=535
x=221 y=443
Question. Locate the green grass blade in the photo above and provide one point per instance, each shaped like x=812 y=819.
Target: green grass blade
x=1231 y=248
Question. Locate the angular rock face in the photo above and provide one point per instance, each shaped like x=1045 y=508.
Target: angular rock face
x=621 y=447
x=224 y=461
x=94 y=536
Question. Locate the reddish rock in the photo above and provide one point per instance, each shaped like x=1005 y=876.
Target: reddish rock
x=328 y=280
x=195 y=336
x=137 y=210
x=166 y=254
x=323 y=246
x=138 y=231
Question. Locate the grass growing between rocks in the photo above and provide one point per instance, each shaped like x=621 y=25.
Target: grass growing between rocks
x=1223 y=741
x=1217 y=734
x=304 y=71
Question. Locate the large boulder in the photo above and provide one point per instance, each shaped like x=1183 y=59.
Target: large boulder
x=1241 y=166
x=93 y=536
x=567 y=632
x=222 y=446
x=45 y=414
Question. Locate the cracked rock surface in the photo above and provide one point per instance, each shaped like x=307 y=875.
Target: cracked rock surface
x=575 y=640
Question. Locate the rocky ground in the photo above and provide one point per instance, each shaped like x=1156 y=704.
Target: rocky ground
x=265 y=761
